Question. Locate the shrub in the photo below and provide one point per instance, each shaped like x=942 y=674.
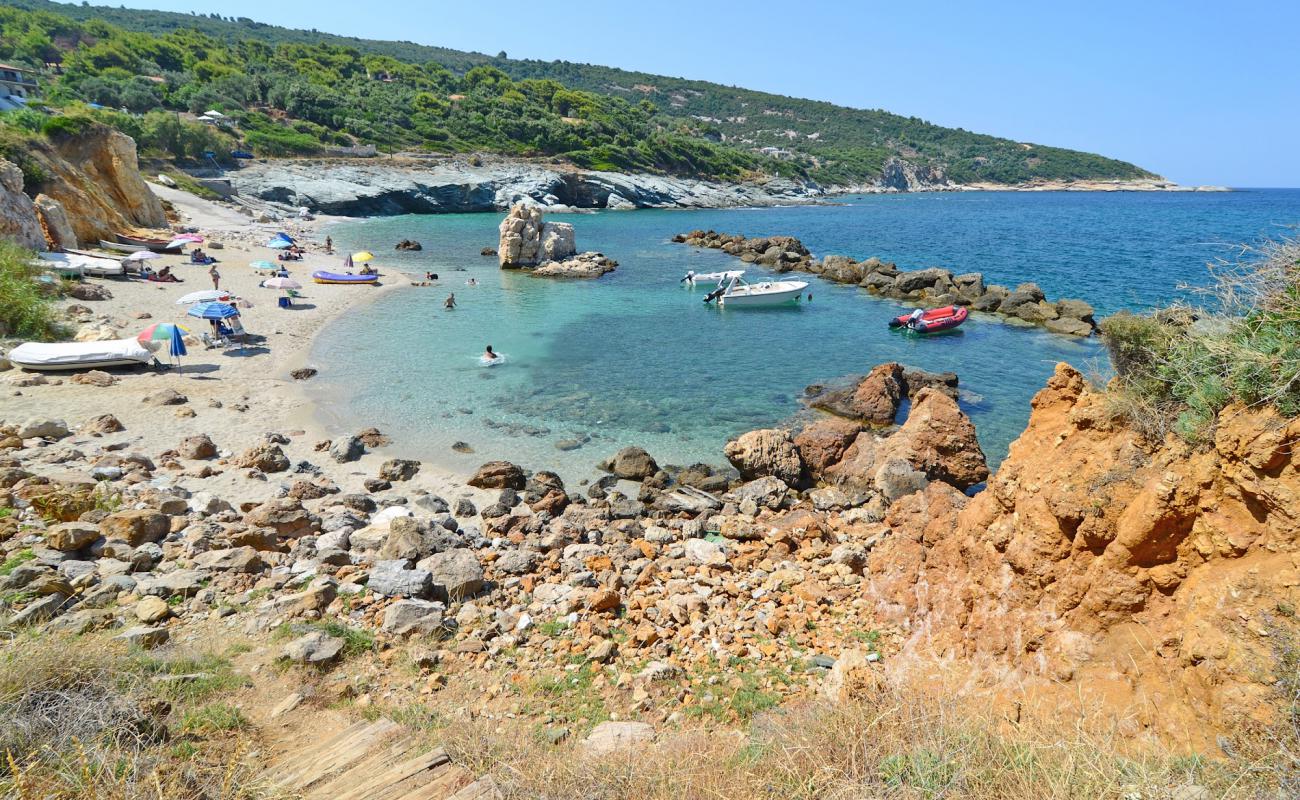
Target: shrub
x=1177 y=368
x=25 y=309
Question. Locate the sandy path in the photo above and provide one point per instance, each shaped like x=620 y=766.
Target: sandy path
x=234 y=397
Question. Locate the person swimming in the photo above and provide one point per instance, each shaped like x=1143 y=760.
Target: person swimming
x=488 y=355
x=471 y=282
x=450 y=302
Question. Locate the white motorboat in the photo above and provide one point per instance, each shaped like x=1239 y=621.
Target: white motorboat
x=693 y=278
x=767 y=293
x=60 y=356
x=79 y=264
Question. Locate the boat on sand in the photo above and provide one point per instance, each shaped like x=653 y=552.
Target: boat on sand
x=343 y=278
x=67 y=356
x=146 y=243
x=767 y=293
x=932 y=320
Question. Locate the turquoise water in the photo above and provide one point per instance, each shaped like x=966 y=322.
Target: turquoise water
x=635 y=358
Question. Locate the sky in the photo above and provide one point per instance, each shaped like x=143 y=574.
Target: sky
x=1200 y=92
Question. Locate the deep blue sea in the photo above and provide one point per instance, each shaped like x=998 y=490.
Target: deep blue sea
x=635 y=358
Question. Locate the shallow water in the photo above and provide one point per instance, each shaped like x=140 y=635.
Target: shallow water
x=636 y=358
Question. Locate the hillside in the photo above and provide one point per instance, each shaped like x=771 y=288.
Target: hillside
x=397 y=95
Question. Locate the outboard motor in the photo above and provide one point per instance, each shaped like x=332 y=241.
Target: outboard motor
x=714 y=295
x=690 y=276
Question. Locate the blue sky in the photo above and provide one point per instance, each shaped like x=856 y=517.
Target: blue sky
x=1201 y=92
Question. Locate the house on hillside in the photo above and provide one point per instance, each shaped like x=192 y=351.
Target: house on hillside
x=17 y=86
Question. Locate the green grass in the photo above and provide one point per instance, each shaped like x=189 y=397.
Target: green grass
x=13 y=561
x=569 y=696
x=355 y=640
x=213 y=718
x=553 y=627
x=26 y=305
x=214 y=676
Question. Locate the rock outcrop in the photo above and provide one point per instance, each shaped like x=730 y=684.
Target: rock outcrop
x=548 y=248
x=1106 y=568
x=932 y=286
x=54 y=218
x=424 y=186
x=17 y=214
x=95 y=177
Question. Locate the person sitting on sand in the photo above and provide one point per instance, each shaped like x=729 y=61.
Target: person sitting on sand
x=450 y=302
x=488 y=355
x=165 y=275
x=368 y=270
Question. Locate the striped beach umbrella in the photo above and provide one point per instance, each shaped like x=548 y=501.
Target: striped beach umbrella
x=212 y=311
x=169 y=332
x=281 y=283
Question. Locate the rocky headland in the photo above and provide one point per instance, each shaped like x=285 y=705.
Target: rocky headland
x=933 y=286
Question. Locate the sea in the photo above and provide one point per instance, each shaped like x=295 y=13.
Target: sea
x=636 y=357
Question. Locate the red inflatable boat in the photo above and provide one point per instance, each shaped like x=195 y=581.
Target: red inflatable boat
x=932 y=321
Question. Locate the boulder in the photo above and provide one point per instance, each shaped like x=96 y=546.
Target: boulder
x=265 y=457
x=520 y=236
x=144 y=637
x=703 y=551
x=498 y=475
x=166 y=397
x=1069 y=327
x=939 y=440
x=234 y=559
x=69 y=537
x=284 y=515
x=763 y=452
x=95 y=377
x=317 y=649
x=617 y=738
x=413 y=616
x=102 y=424
x=874 y=401
x=42 y=428
x=393 y=579
x=822 y=444
x=558 y=241
x=456 y=574
x=930 y=279
x=398 y=469
x=197 y=447
x=346 y=449
x=54 y=218
x=135 y=526
x=632 y=463
x=409 y=245
x=150 y=609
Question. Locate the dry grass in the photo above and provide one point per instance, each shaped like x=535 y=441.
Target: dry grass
x=86 y=718
x=896 y=744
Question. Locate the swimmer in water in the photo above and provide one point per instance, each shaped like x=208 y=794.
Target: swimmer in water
x=488 y=355
x=471 y=282
x=450 y=302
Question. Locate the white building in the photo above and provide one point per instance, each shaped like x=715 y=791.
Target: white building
x=17 y=85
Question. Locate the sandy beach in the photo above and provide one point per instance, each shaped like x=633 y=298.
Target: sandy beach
x=236 y=398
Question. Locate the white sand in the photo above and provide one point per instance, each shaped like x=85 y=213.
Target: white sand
x=258 y=380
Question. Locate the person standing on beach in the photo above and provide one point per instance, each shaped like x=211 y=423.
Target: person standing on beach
x=216 y=276
x=329 y=245
x=450 y=302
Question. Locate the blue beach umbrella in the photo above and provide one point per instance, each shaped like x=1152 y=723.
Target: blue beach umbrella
x=279 y=244
x=212 y=311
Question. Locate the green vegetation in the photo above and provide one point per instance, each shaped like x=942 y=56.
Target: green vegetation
x=212 y=718
x=1177 y=368
x=16 y=560
x=26 y=310
x=298 y=92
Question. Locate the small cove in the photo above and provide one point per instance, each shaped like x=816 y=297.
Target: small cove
x=635 y=358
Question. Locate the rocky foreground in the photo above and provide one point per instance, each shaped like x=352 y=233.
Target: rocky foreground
x=828 y=547
x=933 y=286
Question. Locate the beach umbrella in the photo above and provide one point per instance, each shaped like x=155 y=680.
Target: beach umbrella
x=284 y=236
x=205 y=296
x=178 y=243
x=279 y=244
x=262 y=264
x=142 y=255
x=189 y=237
x=161 y=332
x=282 y=283
x=212 y=311
x=363 y=256
x=347 y=262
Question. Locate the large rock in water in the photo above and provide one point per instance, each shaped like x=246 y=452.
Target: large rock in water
x=526 y=241
x=17 y=214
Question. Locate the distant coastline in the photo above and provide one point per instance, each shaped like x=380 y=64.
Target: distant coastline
x=407 y=184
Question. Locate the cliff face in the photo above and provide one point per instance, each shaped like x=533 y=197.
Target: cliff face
x=17 y=214
x=96 y=178
x=1107 y=572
